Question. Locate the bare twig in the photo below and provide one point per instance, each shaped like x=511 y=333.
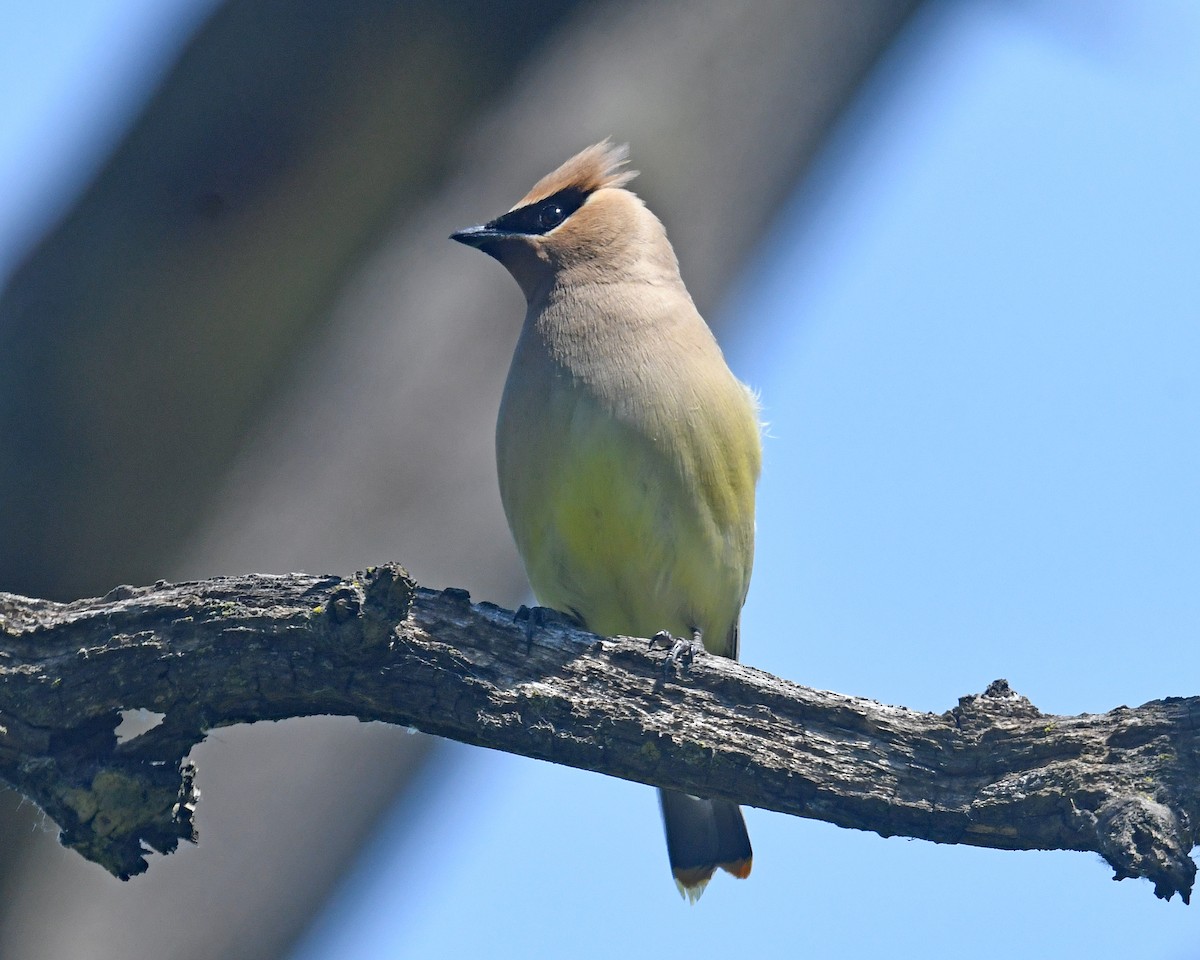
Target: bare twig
x=992 y=772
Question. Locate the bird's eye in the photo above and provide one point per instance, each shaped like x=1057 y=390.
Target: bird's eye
x=540 y=217
x=550 y=215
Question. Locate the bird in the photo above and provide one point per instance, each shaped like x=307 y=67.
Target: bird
x=627 y=451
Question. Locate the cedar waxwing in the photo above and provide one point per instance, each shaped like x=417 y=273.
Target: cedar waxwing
x=627 y=451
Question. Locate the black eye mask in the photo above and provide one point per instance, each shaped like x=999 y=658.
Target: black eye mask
x=543 y=216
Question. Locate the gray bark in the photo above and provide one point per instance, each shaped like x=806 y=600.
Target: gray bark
x=993 y=771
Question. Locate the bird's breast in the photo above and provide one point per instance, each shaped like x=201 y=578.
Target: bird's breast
x=631 y=494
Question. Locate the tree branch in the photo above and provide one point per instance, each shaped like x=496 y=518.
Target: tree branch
x=992 y=772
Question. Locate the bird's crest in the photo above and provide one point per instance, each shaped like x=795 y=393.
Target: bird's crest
x=597 y=166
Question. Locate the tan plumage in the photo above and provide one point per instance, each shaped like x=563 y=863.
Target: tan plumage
x=590 y=169
x=627 y=451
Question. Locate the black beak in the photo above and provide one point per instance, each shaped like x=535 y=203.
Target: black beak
x=478 y=237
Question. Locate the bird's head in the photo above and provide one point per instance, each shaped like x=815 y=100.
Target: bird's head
x=578 y=221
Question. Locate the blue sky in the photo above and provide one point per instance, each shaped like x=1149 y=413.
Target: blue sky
x=977 y=341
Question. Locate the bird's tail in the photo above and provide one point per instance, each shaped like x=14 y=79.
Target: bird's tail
x=701 y=836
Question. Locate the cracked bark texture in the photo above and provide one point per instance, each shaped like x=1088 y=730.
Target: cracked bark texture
x=993 y=771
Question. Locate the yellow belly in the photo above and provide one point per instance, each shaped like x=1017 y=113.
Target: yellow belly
x=615 y=530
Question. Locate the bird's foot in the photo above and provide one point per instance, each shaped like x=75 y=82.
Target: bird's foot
x=680 y=650
x=533 y=618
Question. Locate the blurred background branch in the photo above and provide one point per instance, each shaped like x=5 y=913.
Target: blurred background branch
x=247 y=345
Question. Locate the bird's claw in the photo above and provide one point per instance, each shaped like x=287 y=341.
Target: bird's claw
x=681 y=651
x=533 y=618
